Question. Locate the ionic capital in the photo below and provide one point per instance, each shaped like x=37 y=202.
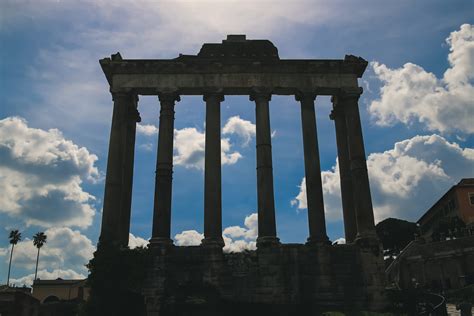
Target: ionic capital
x=127 y=94
x=213 y=95
x=305 y=96
x=168 y=97
x=260 y=96
x=347 y=94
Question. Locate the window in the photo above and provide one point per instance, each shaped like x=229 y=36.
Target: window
x=471 y=198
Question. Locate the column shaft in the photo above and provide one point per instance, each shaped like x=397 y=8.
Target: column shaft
x=314 y=187
x=119 y=177
x=348 y=99
x=348 y=211
x=212 y=173
x=164 y=171
x=266 y=200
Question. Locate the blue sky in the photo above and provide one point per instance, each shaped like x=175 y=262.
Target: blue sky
x=55 y=114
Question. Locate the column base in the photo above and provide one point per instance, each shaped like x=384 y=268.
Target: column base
x=366 y=238
x=160 y=242
x=268 y=241
x=311 y=241
x=213 y=243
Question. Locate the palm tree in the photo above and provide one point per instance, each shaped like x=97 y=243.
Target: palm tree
x=15 y=237
x=38 y=240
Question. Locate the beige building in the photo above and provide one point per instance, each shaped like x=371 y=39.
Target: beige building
x=455 y=206
x=60 y=290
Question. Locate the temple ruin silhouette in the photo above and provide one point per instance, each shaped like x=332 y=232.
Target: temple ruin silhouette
x=276 y=278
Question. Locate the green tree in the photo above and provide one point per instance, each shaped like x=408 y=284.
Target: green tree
x=395 y=234
x=38 y=240
x=15 y=237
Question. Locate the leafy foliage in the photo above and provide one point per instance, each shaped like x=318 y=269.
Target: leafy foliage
x=15 y=237
x=116 y=280
x=39 y=239
x=395 y=234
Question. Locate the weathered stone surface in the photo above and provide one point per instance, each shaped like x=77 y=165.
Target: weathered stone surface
x=290 y=276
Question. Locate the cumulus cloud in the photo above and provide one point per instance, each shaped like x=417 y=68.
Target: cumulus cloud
x=189 y=147
x=405 y=181
x=411 y=94
x=243 y=128
x=147 y=129
x=236 y=238
x=65 y=249
x=41 y=176
x=136 y=241
x=188 y=238
x=46 y=275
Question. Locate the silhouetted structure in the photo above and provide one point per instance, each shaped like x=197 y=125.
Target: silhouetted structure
x=312 y=276
x=452 y=215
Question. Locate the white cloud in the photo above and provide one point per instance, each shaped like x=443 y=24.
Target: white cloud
x=46 y=275
x=136 y=241
x=189 y=146
x=147 y=129
x=236 y=238
x=243 y=128
x=41 y=174
x=188 y=238
x=405 y=181
x=340 y=241
x=146 y=146
x=65 y=76
x=411 y=94
x=64 y=249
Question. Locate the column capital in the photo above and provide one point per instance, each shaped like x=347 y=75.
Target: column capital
x=124 y=93
x=260 y=94
x=347 y=93
x=303 y=96
x=218 y=96
x=166 y=97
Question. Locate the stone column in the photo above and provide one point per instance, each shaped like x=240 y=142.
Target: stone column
x=212 y=172
x=348 y=211
x=119 y=177
x=164 y=171
x=266 y=201
x=362 y=201
x=314 y=187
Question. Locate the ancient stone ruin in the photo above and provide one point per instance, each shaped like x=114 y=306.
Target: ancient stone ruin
x=276 y=278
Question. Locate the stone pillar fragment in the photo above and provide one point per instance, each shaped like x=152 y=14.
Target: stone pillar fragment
x=314 y=187
x=164 y=171
x=348 y=211
x=266 y=201
x=119 y=178
x=212 y=172
x=348 y=100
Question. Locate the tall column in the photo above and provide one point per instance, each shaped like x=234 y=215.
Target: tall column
x=119 y=177
x=348 y=211
x=164 y=171
x=212 y=172
x=348 y=100
x=266 y=200
x=314 y=187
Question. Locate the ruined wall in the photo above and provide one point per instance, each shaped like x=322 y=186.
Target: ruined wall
x=279 y=280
